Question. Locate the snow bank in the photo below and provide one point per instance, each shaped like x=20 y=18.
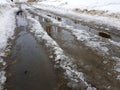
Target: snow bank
x=7 y=26
x=110 y=5
x=3 y=2
x=2 y=74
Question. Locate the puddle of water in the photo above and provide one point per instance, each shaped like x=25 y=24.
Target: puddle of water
x=31 y=68
x=83 y=26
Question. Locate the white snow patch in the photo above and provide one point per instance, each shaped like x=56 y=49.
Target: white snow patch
x=118 y=77
x=7 y=26
x=117 y=66
x=3 y=1
x=90 y=40
x=2 y=79
x=105 y=5
x=115 y=43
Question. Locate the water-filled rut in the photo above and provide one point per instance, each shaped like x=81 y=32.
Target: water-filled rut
x=31 y=68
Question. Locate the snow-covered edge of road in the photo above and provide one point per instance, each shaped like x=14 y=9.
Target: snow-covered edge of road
x=7 y=27
x=61 y=59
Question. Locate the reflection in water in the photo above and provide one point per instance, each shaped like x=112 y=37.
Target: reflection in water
x=32 y=70
x=82 y=26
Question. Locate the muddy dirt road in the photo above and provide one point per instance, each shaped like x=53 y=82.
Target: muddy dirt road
x=93 y=53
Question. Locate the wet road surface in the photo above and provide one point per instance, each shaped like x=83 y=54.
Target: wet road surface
x=31 y=68
x=33 y=59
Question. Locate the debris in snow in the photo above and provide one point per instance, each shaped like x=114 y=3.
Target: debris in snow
x=105 y=35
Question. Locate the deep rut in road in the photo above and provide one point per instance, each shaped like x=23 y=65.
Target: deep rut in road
x=29 y=65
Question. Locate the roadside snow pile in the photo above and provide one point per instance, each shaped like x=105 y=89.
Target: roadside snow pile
x=7 y=26
x=77 y=79
x=3 y=2
x=109 y=5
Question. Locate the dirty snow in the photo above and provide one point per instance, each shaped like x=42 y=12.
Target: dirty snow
x=7 y=16
x=7 y=26
x=9 y=1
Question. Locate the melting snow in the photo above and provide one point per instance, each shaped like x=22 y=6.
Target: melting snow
x=7 y=26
